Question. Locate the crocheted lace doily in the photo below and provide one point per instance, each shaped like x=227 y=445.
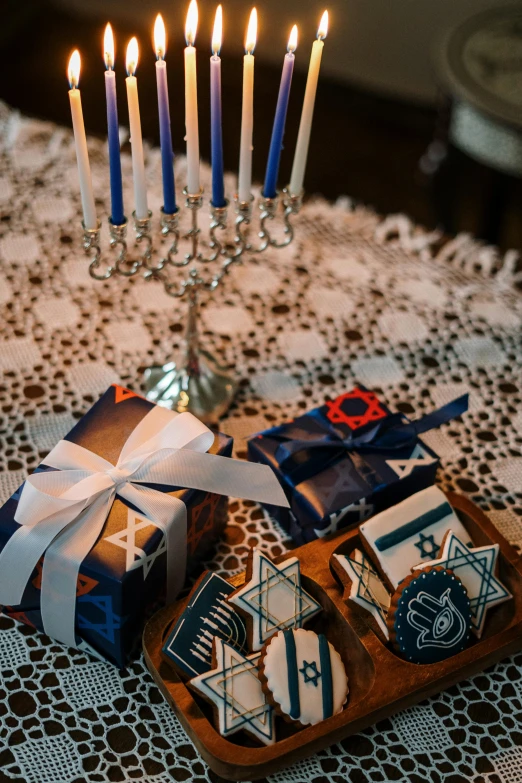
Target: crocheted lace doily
x=355 y=297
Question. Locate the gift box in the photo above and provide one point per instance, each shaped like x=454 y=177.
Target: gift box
x=347 y=460
x=124 y=506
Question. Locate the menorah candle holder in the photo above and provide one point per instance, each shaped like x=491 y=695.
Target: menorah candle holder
x=196 y=382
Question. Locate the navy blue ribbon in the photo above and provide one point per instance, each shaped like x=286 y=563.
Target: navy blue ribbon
x=296 y=457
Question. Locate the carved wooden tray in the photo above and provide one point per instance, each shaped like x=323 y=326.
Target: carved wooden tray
x=381 y=683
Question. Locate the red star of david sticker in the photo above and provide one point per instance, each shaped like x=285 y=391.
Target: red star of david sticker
x=201 y=520
x=373 y=412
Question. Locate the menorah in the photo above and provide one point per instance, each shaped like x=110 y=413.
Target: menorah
x=196 y=382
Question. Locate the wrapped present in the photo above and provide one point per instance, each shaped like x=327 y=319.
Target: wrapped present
x=346 y=460
x=120 y=508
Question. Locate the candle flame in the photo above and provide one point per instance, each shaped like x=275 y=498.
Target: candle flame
x=73 y=69
x=292 y=41
x=192 y=23
x=251 y=36
x=160 y=37
x=132 y=56
x=217 y=35
x=108 y=47
x=322 y=31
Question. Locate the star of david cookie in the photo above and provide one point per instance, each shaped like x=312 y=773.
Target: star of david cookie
x=430 y=616
x=233 y=687
x=363 y=588
x=272 y=598
x=303 y=676
x=409 y=533
x=476 y=568
x=188 y=648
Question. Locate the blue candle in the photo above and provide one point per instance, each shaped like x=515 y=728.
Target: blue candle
x=117 y=214
x=167 y=155
x=276 y=143
x=216 y=131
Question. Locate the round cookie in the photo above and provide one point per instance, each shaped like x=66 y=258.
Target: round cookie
x=430 y=616
x=303 y=676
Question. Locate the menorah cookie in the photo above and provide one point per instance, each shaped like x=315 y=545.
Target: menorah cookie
x=272 y=598
x=188 y=648
x=409 y=533
x=430 y=616
x=303 y=676
x=364 y=588
x=233 y=688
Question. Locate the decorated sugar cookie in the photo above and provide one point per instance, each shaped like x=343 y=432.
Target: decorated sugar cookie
x=430 y=616
x=189 y=645
x=366 y=589
x=272 y=598
x=234 y=688
x=304 y=676
x=476 y=568
x=410 y=533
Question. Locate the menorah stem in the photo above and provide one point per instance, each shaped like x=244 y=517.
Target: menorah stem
x=192 y=333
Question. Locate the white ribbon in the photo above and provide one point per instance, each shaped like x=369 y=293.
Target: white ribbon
x=62 y=512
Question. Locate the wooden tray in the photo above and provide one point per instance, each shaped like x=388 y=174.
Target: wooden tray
x=381 y=683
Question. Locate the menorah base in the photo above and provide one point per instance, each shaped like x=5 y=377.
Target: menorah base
x=206 y=390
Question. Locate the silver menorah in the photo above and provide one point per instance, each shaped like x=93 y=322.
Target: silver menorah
x=196 y=382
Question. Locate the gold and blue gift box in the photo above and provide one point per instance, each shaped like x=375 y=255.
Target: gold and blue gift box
x=124 y=575
x=347 y=460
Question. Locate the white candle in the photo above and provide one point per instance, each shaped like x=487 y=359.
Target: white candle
x=247 y=117
x=90 y=221
x=138 y=163
x=305 y=126
x=191 y=101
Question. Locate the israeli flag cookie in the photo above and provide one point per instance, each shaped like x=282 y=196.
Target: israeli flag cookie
x=410 y=533
x=476 y=569
x=364 y=587
x=272 y=598
x=304 y=676
x=430 y=616
x=233 y=687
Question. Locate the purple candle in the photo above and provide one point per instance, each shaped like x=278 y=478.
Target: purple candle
x=167 y=155
x=216 y=131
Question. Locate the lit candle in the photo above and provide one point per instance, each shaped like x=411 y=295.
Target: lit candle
x=305 y=126
x=191 y=101
x=247 y=118
x=138 y=163
x=167 y=155
x=216 y=131
x=117 y=214
x=276 y=143
x=90 y=221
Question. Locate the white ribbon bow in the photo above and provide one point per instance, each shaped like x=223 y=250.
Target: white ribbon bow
x=62 y=512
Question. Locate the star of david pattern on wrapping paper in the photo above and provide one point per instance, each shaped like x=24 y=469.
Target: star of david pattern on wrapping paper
x=234 y=687
x=367 y=590
x=373 y=411
x=403 y=467
x=255 y=598
x=135 y=557
x=355 y=512
x=475 y=567
x=110 y=622
x=332 y=483
x=84 y=584
x=305 y=670
x=427 y=546
x=197 y=529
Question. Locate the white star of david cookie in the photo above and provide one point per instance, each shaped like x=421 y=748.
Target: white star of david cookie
x=366 y=588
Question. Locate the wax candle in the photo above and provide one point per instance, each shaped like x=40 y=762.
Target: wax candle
x=305 y=126
x=191 y=101
x=278 y=130
x=167 y=155
x=247 y=117
x=117 y=213
x=216 y=131
x=138 y=162
x=90 y=221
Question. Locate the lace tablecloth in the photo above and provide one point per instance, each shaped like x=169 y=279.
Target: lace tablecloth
x=356 y=297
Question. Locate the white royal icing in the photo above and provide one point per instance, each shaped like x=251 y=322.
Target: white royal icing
x=274 y=598
x=310 y=674
x=366 y=589
x=411 y=532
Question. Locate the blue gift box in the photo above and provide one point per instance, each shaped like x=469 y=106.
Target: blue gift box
x=125 y=572
x=347 y=460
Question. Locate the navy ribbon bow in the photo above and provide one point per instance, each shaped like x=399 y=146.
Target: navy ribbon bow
x=394 y=432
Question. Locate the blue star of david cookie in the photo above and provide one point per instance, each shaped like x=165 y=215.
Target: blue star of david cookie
x=476 y=569
x=233 y=687
x=430 y=616
x=207 y=615
x=366 y=589
x=272 y=598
